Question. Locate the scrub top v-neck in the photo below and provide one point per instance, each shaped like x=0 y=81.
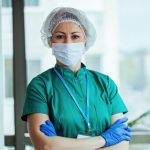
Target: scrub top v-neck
x=46 y=94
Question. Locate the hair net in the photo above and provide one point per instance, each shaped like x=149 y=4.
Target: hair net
x=67 y=14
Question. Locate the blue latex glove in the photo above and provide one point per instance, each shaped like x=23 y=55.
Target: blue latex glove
x=48 y=128
x=117 y=133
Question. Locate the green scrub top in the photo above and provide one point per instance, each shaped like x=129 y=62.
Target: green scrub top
x=46 y=94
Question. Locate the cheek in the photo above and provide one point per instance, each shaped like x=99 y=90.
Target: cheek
x=52 y=40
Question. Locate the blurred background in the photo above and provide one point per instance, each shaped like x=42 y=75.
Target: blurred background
x=122 y=50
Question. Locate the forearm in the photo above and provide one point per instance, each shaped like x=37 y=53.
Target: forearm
x=62 y=143
x=94 y=143
x=124 y=145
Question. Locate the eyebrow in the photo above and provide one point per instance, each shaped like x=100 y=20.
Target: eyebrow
x=64 y=33
x=75 y=32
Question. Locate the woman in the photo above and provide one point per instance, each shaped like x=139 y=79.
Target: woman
x=70 y=102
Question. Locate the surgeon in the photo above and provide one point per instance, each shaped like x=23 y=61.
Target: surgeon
x=70 y=107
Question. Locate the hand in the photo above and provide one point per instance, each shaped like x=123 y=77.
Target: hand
x=117 y=133
x=48 y=128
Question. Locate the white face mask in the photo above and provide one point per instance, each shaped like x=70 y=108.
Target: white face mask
x=68 y=54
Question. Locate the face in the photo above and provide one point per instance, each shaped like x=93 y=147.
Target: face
x=67 y=32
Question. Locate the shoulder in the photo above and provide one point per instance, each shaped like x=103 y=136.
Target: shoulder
x=106 y=85
x=103 y=78
x=42 y=78
x=104 y=81
x=42 y=83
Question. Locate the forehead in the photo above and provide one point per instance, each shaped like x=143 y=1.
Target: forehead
x=67 y=27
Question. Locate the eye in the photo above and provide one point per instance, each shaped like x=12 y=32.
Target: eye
x=75 y=37
x=60 y=36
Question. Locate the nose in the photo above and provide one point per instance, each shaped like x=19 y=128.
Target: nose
x=68 y=39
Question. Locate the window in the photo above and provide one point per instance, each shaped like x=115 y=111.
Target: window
x=8 y=67
x=31 y=2
x=8 y=78
x=29 y=148
x=35 y=66
x=7 y=3
x=134 y=56
x=9 y=148
x=93 y=62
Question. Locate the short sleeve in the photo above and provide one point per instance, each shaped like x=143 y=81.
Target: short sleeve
x=117 y=103
x=35 y=100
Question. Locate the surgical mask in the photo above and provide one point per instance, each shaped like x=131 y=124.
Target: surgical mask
x=68 y=54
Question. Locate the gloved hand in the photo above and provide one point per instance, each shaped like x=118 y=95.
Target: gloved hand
x=117 y=133
x=48 y=128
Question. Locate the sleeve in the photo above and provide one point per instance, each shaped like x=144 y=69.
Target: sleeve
x=35 y=100
x=117 y=103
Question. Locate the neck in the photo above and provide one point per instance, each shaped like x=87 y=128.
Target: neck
x=73 y=68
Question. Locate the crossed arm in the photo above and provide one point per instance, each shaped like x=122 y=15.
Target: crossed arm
x=42 y=142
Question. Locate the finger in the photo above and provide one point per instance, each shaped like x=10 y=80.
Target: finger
x=122 y=126
x=125 y=127
x=47 y=126
x=127 y=133
x=122 y=120
x=43 y=127
x=128 y=129
x=49 y=123
x=47 y=132
x=127 y=138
